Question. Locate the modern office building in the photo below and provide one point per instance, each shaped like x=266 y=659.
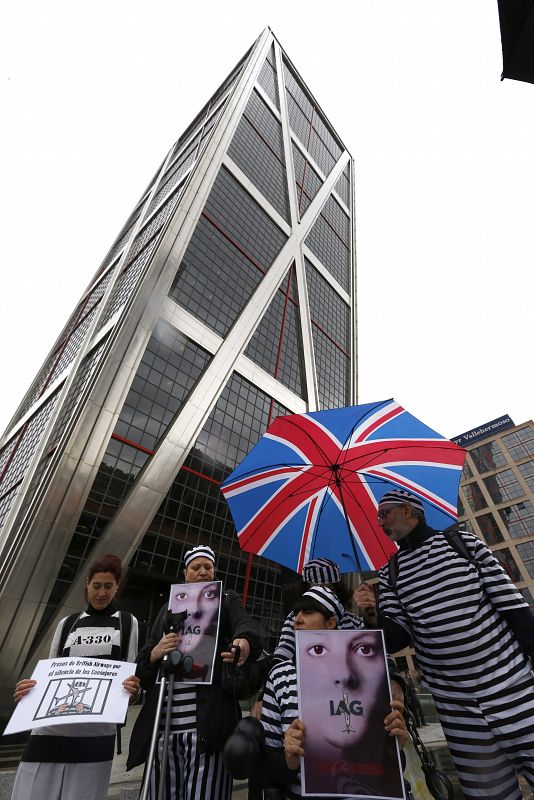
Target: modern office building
x=227 y=299
x=497 y=495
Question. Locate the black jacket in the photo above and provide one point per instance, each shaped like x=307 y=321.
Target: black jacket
x=217 y=714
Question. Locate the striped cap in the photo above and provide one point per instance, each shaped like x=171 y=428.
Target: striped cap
x=323 y=597
x=321 y=570
x=397 y=497
x=201 y=551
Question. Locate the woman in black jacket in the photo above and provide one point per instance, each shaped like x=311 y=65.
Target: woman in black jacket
x=203 y=717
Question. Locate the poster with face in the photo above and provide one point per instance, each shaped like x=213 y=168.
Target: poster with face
x=344 y=697
x=196 y=610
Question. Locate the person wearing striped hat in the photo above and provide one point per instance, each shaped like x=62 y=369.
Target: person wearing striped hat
x=317 y=609
x=473 y=634
x=203 y=716
x=317 y=572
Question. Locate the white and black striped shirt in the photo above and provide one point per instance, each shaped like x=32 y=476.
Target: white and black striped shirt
x=280 y=708
x=183 y=711
x=463 y=644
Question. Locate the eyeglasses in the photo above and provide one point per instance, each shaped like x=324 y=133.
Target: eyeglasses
x=383 y=512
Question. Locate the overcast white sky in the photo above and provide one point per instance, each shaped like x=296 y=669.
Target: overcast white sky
x=94 y=92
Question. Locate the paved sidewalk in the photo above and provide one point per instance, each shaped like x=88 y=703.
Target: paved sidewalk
x=125 y=785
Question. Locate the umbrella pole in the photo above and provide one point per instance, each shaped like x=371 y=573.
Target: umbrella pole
x=351 y=537
x=247 y=578
x=371 y=611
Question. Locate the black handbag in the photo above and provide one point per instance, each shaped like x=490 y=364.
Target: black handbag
x=245 y=681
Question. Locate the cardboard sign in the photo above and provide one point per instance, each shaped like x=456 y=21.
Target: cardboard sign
x=73 y=690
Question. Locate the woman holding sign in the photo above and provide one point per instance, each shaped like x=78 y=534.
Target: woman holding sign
x=73 y=761
x=203 y=715
x=348 y=744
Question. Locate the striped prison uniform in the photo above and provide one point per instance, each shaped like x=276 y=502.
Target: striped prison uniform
x=190 y=773
x=285 y=649
x=280 y=708
x=465 y=628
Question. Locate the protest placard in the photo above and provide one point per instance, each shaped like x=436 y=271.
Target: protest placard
x=196 y=608
x=73 y=690
x=344 y=697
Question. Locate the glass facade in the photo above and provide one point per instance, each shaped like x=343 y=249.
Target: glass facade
x=526 y=552
x=308 y=125
x=16 y=455
x=195 y=512
x=258 y=149
x=527 y=473
x=277 y=344
x=489 y=528
x=466 y=472
x=509 y=564
x=170 y=366
x=503 y=486
x=233 y=245
x=518 y=519
x=329 y=240
x=307 y=180
x=474 y=497
x=520 y=444
x=488 y=457
x=330 y=318
x=504 y=469
x=267 y=78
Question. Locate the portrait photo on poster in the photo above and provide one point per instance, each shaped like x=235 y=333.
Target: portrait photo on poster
x=196 y=609
x=344 y=697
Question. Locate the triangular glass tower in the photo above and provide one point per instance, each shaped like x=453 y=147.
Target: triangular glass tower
x=227 y=299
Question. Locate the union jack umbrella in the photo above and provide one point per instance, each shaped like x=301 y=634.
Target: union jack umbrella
x=310 y=487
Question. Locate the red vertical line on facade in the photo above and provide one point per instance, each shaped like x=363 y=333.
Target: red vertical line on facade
x=263 y=139
x=233 y=242
x=306 y=195
x=302 y=186
x=283 y=325
x=64 y=344
x=11 y=489
x=331 y=338
x=197 y=149
x=331 y=154
x=327 y=221
x=290 y=295
x=15 y=448
x=306 y=161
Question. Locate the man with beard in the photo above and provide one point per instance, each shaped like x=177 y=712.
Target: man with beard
x=473 y=635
